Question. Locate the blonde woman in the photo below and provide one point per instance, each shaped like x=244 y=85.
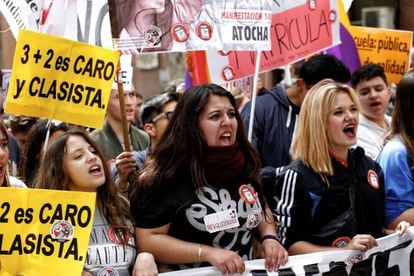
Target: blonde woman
x=331 y=195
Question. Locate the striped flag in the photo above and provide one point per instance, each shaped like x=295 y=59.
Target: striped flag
x=197 y=68
x=347 y=51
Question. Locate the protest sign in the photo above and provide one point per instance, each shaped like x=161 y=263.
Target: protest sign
x=44 y=231
x=61 y=79
x=164 y=25
x=394 y=255
x=388 y=48
x=297 y=31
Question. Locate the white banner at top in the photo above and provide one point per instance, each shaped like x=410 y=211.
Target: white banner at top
x=178 y=25
x=81 y=20
x=20 y=14
x=300 y=28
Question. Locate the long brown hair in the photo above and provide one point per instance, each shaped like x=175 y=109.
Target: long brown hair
x=402 y=116
x=182 y=145
x=53 y=176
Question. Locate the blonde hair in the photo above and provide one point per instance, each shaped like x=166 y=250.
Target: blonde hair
x=311 y=141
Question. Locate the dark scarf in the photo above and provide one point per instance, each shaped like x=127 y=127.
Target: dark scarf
x=223 y=163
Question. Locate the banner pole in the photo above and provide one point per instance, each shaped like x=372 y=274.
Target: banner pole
x=49 y=122
x=125 y=130
x=288 y=75
x=254 y=96
x=124 y=122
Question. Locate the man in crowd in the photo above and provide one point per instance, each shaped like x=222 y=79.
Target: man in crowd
x=371 y=85
x=156 y=112
x=110 y=139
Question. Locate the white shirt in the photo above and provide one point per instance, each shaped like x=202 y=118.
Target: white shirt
x=17 y=183
x=371 y=136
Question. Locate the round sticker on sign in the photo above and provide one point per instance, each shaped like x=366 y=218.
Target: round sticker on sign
x=228 y=73
x=373 y=179
x=204 y=30
x=61 y=231
x=180 y=32
x=152 y=35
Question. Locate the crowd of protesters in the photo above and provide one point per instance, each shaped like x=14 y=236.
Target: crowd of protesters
x=327 y=169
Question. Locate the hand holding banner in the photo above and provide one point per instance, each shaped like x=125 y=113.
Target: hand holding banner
x=394 y=255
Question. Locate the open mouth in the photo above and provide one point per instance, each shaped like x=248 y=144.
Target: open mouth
x=350 y=131
x=375 y=104
x=95 y=170
x=225 y=138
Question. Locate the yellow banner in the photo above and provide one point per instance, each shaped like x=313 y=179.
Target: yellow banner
x=60 y=79
x=388 y=48
x=44 y=232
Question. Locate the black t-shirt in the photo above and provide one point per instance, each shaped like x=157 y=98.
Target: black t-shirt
x=202 y=217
